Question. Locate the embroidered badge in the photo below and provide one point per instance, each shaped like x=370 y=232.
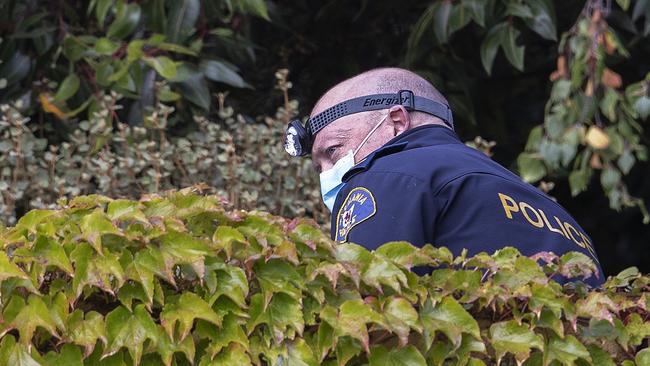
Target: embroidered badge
x=358 y=206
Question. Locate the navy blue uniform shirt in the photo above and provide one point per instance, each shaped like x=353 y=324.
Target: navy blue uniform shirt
x=426 y=186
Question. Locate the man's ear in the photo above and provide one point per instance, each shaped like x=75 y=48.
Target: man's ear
x=400 y=118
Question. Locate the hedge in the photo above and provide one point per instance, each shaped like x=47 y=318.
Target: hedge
x=179 y=279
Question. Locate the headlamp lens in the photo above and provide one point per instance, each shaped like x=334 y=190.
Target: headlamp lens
x=295 y=139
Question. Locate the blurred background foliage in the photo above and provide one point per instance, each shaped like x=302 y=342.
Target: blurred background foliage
x=128 y=97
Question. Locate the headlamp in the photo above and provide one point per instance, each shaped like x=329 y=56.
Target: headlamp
x=299 y=139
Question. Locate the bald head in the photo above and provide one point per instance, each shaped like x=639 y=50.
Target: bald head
x=346 y=133
x=380 y=81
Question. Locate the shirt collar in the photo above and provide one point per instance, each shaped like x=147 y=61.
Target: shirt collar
x=421 y=136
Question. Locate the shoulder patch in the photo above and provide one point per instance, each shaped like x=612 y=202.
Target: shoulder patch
x=358 y=206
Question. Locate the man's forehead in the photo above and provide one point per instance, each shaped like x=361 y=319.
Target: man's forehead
x=341 y=128
x=347 y=89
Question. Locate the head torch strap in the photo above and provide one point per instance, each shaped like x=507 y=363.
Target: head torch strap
x=380 y=101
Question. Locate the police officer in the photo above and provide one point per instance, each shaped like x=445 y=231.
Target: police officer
x=392 y=168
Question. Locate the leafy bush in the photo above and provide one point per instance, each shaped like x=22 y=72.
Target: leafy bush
x=78 y=51
x=244 y=162
x=592 y=122
x=179 y=279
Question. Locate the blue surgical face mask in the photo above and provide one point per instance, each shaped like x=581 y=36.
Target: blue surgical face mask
x=331 y=180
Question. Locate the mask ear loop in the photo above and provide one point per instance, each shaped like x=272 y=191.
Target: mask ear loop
x=368 y=135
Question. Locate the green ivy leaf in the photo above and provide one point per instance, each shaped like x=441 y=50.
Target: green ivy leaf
x=404 y=254
x=48 y=252
x=231 y=282
x=185 y=310
x=126 y=210
x=514 y=338
x=600 y=357
x=642 y=357
x=129 y=330
x=566 y=350
x=31 y=220
x=231 y=331
x=85 y=329
x=28 y=317
x=575 y=264
x=69 y=356
x=167 y=348
x=407 y=356
x=381 y=271
x=177 y=247
x=449 y=317
x=68 y=88
x=281 y=313
x=94 y=226
x=15 y=354
x=9 y=269
x=401 y=317
x=300 y=354
x=225 y=236
x=278 y=276
x=104 y=272
x=235 y=355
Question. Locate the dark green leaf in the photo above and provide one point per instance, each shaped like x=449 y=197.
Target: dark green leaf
x=15 y=69
x=513 y=52
x=127 y=18
x=68 y=88
x=101 y=9
x=494 y=38
x=222 y=72
x=578 y=180
x=195 y=89
x=441 y=20
x=181 y=20
x=531 y=168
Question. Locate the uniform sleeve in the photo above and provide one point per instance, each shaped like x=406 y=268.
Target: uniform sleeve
x=378 y=207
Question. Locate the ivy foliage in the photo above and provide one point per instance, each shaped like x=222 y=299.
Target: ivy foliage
x=178 y=279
